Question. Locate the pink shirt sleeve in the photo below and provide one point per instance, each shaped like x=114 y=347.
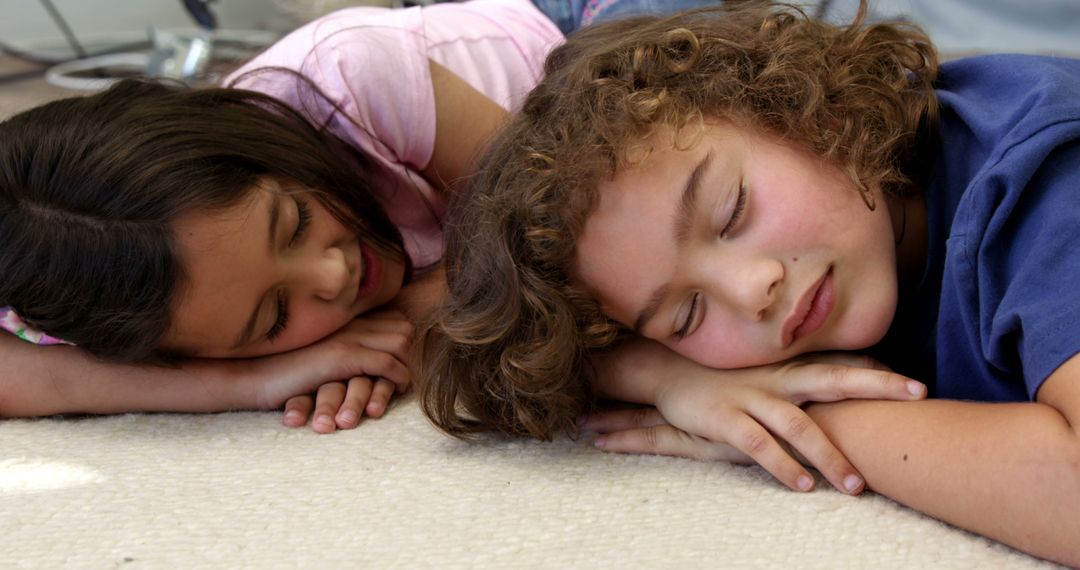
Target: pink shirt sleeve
x=373 y=63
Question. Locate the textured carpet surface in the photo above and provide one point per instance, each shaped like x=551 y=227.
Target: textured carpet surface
x=240 y=490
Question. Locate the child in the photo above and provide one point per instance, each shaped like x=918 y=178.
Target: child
x=136 y=220
x=747 y=185
x=400 y=101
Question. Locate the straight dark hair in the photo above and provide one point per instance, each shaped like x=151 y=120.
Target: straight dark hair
x=89 y=187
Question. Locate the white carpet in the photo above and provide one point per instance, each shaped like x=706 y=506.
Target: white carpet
x=240 y=490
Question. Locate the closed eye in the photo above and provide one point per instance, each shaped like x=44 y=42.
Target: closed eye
x=737 y=213
x=282 y=319
x=303 y=220
x=695 y=306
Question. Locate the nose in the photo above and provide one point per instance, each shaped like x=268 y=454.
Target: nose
x=749 y=284
x=326 y=274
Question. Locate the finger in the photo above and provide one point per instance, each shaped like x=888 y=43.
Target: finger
x=380 y=397
x=665 y=439
x=835 y=382
x=397 y=344
x=751 y=438
x=357 y=394
x=297 y=410
x=398 y=325
x=804 y=436
x=843 y=358
x=327 y=402
x=608 y=421
x=372 y=363
x=382 y=322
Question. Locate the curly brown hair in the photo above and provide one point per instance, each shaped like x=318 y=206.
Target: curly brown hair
x=509 y=350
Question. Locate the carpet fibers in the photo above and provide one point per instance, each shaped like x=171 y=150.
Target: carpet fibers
x=240 y=490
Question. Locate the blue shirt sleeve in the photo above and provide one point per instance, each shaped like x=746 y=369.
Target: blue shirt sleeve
x=1009 y=311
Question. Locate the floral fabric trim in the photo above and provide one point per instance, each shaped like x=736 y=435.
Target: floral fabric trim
x=593 y=8
x=11 y=322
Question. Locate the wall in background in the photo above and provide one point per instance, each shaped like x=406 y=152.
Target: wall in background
x=968 y=26
x=26 y=23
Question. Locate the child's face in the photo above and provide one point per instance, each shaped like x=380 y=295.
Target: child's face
x=272 y=255
x=802 y=266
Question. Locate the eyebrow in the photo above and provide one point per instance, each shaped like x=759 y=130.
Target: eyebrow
x=245 y=335
x=684 y=219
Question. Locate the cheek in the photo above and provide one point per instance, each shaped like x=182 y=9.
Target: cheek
x=793 y=223
x=868 y=320
x=307 y=326
x=724 y=347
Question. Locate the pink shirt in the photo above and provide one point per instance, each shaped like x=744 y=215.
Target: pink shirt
x=373 y=62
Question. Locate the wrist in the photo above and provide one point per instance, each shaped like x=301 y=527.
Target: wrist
x=227 y=384
x=629 y=372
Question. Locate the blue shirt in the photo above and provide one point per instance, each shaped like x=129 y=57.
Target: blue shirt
x=998 y=307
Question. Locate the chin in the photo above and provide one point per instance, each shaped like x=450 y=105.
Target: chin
x=868 y=329
x=729 y=361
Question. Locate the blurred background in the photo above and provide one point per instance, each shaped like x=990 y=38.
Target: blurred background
x=50 y=48
x=961 y=27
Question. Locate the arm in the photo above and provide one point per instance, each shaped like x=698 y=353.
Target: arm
x=45 y=380
x=1008 y=471
x=41 y=381
x=755 y=410
x=464 y=121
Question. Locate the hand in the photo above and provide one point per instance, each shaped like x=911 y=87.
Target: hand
x=644 y=430
x=737 y=415
x=339 y=405
x=356 y=370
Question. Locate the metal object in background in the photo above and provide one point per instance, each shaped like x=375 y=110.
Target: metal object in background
x=178 y=57
x=200 y=11
x=166 y=54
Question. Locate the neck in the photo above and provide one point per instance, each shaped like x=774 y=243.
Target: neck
x=909 y=230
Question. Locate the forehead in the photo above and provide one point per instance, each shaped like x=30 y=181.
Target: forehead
x=219 y=252
x=627 y=248
x=209 y=229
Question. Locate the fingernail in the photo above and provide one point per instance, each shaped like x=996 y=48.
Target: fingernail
x=374 y=408
x=348 y=417
x=915 y=388
x=293 y=418
x=852 y=483
x=600 y=442
x=324 y=422
x=804 y=483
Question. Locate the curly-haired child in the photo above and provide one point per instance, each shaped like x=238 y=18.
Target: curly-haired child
x=747 y=185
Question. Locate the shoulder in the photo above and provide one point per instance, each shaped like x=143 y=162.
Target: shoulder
x=386 y=38
x=1006 y=75
x=1007 y=98
x=361 y=32
x=1003 y=117
x=1006 y=177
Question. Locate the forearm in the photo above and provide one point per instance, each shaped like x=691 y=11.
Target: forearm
x=1007 y=471
x=635 y=370
x=39 y=381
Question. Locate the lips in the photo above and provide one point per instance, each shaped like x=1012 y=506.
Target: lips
x=372 y=276
x=811 y=311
